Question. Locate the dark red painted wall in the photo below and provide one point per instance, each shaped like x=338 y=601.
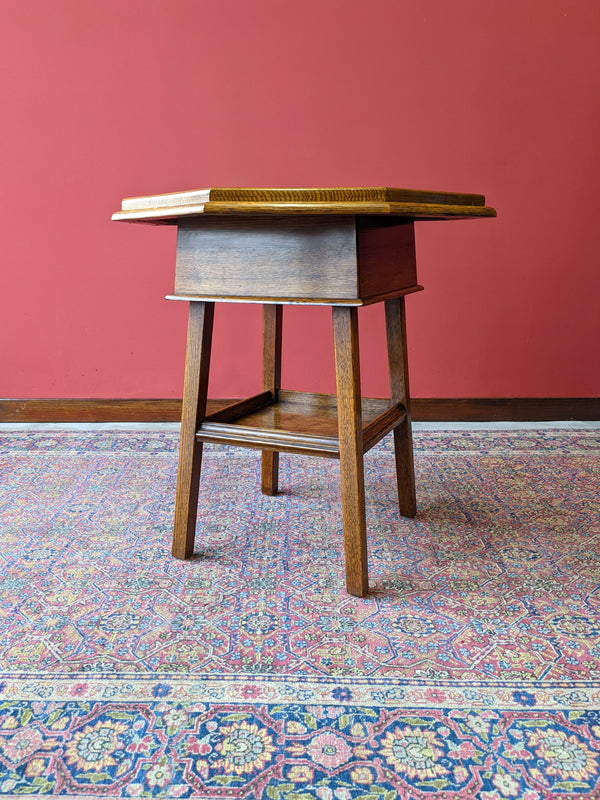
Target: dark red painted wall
x=102 y=100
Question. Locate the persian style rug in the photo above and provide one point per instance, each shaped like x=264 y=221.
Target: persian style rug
x=472 y=670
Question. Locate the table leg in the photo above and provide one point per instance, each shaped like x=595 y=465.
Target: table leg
x=347 y=373
x=395 y=322
x=272 y=337
x=197 y=363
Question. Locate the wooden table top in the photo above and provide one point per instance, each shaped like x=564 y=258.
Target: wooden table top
x=167 y=209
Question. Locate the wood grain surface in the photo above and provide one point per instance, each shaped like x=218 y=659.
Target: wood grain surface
x=271 y=382
x=292 y=258
x=297 y=422
x=349 y=412
x=239 y=408
x=417 y=204
x=340 y=194
x=386 y=256
x=395 y=324
x=197 y=364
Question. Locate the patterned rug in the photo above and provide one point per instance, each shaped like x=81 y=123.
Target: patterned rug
x=471 y=670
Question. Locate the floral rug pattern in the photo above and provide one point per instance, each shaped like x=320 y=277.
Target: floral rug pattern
x=472 y=669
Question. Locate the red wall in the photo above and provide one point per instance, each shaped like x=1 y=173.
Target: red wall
x=102 y=100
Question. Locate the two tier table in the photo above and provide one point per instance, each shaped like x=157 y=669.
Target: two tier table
x=343 y=248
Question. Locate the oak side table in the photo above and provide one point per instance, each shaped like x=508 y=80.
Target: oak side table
x=342 y=248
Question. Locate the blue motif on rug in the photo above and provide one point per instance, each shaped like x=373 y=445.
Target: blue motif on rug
x=293 y=751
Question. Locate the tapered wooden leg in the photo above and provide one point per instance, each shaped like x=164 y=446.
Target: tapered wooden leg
x=395 y=322
x=347 y=374
x=197 y=363
x=272 y=337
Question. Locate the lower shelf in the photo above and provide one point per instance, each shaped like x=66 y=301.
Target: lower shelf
x=296 y=422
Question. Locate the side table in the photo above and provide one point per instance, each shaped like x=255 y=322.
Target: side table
x=341 y=247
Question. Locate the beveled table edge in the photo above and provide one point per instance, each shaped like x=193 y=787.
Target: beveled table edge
x=305 y=301
x=416 y=211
